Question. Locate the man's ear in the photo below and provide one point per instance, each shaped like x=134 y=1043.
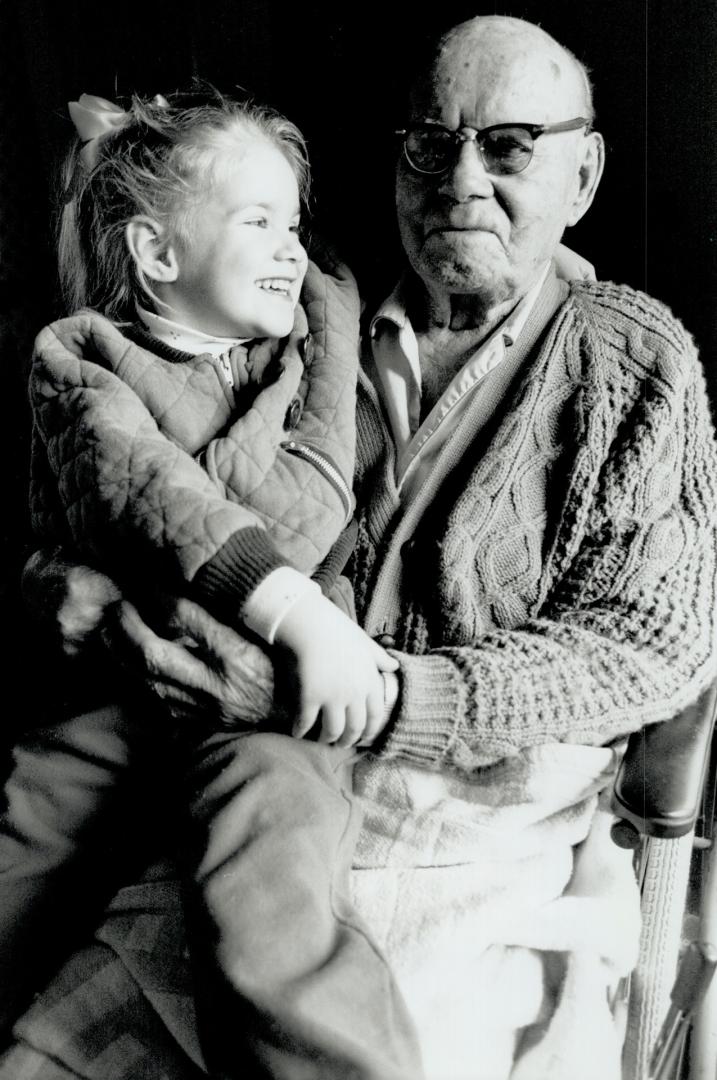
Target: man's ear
x=591 y=165
x=155 y=258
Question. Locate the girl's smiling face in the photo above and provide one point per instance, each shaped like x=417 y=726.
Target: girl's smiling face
x=240 y=274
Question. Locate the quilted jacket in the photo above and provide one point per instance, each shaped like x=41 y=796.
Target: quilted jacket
x=147 y=462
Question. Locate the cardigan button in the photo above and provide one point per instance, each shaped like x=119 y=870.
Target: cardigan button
x=407 y=549
x=386 y=641
x=293 y=414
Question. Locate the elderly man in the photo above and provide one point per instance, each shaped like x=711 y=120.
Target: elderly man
x=536 y=499
x=531 y=545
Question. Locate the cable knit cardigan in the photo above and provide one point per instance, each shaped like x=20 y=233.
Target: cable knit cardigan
x=558 y=584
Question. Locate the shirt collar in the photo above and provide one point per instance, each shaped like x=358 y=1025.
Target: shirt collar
x=511 y=327
x=185 y=338
x=393 y=308
x=397 y=368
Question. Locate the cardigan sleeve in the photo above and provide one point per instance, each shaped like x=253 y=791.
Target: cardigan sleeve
x=626 y=634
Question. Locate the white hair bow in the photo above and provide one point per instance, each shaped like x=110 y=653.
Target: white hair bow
x=94 y=117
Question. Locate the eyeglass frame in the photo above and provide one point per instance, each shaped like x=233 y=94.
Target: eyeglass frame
x=476 y=134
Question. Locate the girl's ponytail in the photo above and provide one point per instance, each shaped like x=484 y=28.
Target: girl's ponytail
x=70 y=259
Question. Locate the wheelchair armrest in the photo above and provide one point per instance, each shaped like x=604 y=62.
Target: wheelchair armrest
x=659 y=783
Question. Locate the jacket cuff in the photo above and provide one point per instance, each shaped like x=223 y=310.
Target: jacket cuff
x=224 y=582
x=427 y=715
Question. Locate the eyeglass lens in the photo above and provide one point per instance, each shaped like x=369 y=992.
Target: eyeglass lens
x=508 y=150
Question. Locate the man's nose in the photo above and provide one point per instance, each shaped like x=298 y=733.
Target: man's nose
x=467 y=178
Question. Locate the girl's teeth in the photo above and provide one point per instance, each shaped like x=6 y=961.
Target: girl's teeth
x=274 y=285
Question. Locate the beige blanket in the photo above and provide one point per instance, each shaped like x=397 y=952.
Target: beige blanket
x=505 y=909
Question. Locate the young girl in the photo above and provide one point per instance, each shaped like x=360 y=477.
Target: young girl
x=194 y=431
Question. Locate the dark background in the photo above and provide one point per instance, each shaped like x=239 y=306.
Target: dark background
x=340 y=71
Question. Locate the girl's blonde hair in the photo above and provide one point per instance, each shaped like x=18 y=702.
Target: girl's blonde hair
x=160 y=163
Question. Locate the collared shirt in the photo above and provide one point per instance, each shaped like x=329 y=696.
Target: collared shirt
x=395 y=353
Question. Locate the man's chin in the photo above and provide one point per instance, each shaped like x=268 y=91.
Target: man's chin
x=468 y=279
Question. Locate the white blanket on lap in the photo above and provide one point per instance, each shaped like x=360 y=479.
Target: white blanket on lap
x=505 y=938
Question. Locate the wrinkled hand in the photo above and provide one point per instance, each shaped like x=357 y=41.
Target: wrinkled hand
x=67 y=598
x=198 y=667
x=202 y=670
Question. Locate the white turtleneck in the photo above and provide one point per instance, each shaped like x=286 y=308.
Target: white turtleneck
x=185 y=338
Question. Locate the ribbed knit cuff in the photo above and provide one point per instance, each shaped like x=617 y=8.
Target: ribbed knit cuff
x=223 y=584
x=429 y=710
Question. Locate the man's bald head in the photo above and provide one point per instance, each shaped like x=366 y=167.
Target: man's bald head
x=508 y=44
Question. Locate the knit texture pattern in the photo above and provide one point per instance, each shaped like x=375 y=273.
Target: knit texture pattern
x=562 y=586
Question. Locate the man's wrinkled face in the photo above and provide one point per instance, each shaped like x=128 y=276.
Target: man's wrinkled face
x=468 y=231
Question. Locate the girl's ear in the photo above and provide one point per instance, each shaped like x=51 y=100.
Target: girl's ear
x=154 y=257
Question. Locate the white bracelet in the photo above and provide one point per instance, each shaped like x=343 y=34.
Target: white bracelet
x=272 y=600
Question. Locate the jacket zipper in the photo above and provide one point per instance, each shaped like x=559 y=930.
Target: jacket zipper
x=327 y=469
x=226 y=368
x=223 y=368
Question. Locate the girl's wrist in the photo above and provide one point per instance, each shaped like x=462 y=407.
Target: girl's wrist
x=272 y=600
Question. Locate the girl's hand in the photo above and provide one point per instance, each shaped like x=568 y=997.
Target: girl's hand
x=338 y=669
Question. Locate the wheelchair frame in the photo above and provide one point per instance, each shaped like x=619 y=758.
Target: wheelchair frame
x=664 y=799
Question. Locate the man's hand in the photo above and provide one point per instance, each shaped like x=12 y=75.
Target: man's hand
x=198 y=667
x=201 y=669
x=69 y=600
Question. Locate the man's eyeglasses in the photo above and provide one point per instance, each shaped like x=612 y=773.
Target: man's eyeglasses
x=504 y=148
